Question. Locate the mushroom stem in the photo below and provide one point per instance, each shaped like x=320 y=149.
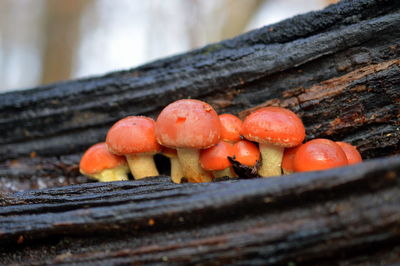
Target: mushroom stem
x=287 y=172
x=271 y=160
x=176 y=170
x=118 y=173
x=222 y=173
x=189 y=160
x=142 y=165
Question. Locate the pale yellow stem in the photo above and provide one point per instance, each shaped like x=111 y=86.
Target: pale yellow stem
x=287 y=172
x=142 y=165
x=271 y=160
x=176 y=170
x=118 y=173
x=189 y=159
x=222 y=173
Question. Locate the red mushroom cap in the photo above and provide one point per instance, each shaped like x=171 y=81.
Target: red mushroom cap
x=231 y=127
x=319 y=154
x=288 y=158
x=246 y=152
x=131 y=135
x=188 y=124
x=216 y=157
x=352 y=154
x=274 y=125
x=97 y=158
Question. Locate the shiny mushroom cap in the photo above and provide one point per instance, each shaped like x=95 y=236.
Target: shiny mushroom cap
x=319 y=154
x=274 y=125
x=132 y=135
x=216 y=157
x=231 y=127
x=246 y=152
x=288 y=159
x=352 y=154
x=97 y=158
x=188 y=124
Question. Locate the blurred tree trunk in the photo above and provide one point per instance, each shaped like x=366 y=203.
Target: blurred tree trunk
x=227 y=18
x=238 y=15
x=62 y=37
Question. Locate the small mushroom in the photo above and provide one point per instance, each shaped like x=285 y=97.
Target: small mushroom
x=231 y=127
x=246 y=153
x=176 y=168
x=288 y=160
x=98 y=163
x=352 y=154
x=188 y=126
x=215 y=159
x=319 y=154
x=274 y=128
x=134 y=137
x=246 y=159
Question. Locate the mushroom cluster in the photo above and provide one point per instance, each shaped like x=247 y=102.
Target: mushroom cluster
x=202 y=145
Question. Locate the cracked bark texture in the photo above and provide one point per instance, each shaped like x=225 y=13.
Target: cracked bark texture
x=334 y=217
x=233 y=75
x=338 y=68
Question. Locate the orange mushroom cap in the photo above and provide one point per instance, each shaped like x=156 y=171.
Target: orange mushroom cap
x=131 y=135
x=169 y=152
x=216 y=157
x=246 y=152
x=97 y=158
x=188 y=124
x=231 y=127
x=275 y=125
x=352 y=154
x=288 y=158
x=319 y=154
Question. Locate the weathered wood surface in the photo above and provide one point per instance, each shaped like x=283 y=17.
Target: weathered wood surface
x=338 y=68
x=237 y=74
x=330 y=218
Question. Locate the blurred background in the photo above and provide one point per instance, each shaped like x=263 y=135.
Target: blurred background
x=43 y=41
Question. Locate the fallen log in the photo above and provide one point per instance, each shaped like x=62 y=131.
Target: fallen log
x=338 y=68
x=233 y=75
x=338 y=71
x=328 y=217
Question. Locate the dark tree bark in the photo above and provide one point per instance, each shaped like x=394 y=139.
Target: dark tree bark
x=338 y=68
x=333 y=217
x=233 y=75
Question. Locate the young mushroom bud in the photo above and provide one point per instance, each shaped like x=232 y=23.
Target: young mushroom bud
x=176 y=168
x=288 y=160
x=134 y=137
x=319 y=154
x=274 y=128
x=189 y=126
x=352 y=154
x=98 y=163
x=231 y=127
x=246 y=153
x=215 y=159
